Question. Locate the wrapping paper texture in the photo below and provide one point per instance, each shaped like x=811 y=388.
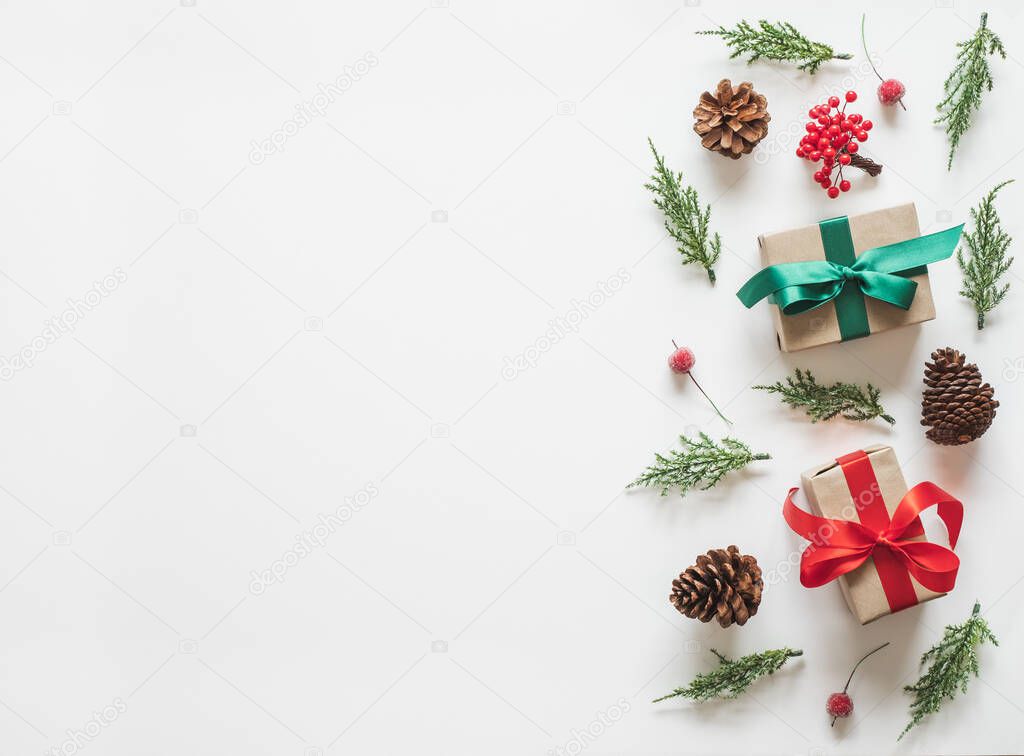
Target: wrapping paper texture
x=869 y=230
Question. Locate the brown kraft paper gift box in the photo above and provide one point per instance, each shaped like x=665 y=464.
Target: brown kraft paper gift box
x=869 y=230
x=829 y=496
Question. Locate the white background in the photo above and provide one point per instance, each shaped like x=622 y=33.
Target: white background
x=336 y=319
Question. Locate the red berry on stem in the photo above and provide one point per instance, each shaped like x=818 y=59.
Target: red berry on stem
x=799 y=151
x=839 y=705
x=851 y=96
x=844 y=185
x=833 y=101
x=852 y=147
x=818 y=176
x=682 y=360
x=844 y=159
x=833 y=192
x=856 y=118
x=815 y=155
x=891 y=91
x=867 y=125
x=862 y=136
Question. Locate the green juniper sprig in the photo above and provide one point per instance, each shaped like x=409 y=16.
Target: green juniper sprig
x=826 y=402
x=778 y=41
x=684 y=220
x=965 y=85
x=731 y=678
x=986 y=260
x=700 y=461
x=951 y=662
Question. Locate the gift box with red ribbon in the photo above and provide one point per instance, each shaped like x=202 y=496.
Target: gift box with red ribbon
x=866 y=533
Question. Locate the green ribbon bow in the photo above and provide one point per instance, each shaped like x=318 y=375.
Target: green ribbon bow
x=881 y=273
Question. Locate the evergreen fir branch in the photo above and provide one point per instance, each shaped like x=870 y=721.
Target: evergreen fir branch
x=968 y=80
x=826 y=402
x=778 y=41
x=731 y=678
x=951 y=663
x=700 y=461
x=684 y=220
x=986 y=261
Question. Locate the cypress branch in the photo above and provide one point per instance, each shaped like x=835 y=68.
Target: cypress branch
x=684 y=220
x=731 y=678
x=700 y=461
x=986 y=261
x=968 y=80
x=951 y=662
x=826 y=402
x=778 y=41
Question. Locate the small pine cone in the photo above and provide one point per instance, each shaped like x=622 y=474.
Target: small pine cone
x=956 y=405
x=732 y=120
x=723 y=585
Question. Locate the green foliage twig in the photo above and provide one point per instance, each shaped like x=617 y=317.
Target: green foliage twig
x=951 y=663
x=964 y=86
x=700 y=461
x=778 y=41
x=684 y=220
x=731 y=678
x=986 y=260
x=826 y=402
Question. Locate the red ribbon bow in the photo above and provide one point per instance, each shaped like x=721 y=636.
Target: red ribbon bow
x=841 y=546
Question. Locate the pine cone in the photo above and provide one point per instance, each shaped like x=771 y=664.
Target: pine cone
x=723 y=585
x=956 y=404
x=733 y=120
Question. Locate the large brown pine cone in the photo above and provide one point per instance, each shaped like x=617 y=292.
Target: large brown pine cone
x=723 y=585
x=732 y=120
x=956 y=404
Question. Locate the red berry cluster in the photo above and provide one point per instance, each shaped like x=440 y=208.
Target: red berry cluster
x=831 y=139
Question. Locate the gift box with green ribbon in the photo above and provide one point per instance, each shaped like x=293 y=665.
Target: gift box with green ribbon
x=848 y=277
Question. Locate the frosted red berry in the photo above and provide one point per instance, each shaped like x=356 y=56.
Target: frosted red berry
x=839 y=705
x=891 y=91
x=682 y=360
